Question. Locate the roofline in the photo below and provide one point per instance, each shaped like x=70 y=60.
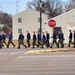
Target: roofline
x=28 y=9
x=61 y=15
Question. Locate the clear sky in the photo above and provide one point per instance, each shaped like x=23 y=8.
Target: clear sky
x=9 y=6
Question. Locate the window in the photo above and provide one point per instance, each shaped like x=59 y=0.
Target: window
x=19 y=30
x=19 y=20
x=57 y=29
x=38 y=29
x=38 y=19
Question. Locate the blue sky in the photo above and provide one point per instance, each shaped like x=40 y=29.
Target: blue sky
x=9 y=6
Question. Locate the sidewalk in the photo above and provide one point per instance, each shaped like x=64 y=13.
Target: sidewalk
x=49 y=50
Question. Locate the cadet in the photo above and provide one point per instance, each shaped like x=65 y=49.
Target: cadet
x=70 y=38
x=39 y=39
x=47 y=39
x=10 y=40
x=3 y=38
x=21 y=40
x=54 y=39
x=0 y=41
x=34 y=40
x=43 y=39
x=28 y=38
x=61 y=39
x=74 y=39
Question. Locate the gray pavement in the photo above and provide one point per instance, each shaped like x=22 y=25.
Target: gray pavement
x=18 y=62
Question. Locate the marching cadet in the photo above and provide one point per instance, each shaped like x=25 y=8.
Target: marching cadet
x=61 y=39
x=43 y=39
x=28 y=38
x=34 y=40
x=21 y=40
x=0 y=41
x=47 y=39
x=3 y=38
x=10 y=40
x=39 y=39
x=74 y=39
x=54 y=39
x=70 y=38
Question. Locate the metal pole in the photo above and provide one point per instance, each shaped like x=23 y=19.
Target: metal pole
x=16 y=6
x=40 y=18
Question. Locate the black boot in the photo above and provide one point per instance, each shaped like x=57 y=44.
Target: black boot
x=13 y=46
x=7 y=46
x=18 y=47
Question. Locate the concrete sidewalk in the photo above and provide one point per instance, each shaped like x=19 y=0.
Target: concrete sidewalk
x=45 y=50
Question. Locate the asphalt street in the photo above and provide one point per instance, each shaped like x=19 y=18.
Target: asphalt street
x=19 y=62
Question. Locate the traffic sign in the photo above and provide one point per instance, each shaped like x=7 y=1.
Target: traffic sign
x=52 y=23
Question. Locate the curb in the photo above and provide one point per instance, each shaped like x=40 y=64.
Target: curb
x=51 y=50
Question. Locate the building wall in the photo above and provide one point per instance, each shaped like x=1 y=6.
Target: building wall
x=29 y=22
x=66 y=21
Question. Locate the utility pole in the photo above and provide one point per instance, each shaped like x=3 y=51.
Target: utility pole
x=40 y=18
x=17 y=5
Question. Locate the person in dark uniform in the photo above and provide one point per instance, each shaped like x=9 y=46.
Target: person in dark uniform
x=34 y=40
x=74 y=39
x=39 y=39
x=4 y=38
x=28 y=38
x=43 y=39
x=21 y=40
x=54 y=40
x=10 y=40
x=70 y=38
x=47 y=39
x=61 y=39
x=0 y=41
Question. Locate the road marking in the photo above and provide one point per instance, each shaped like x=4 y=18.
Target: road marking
x=33 y=73
x=26 y=53
x=56 y=56
x=19 y=57
x=12 y=53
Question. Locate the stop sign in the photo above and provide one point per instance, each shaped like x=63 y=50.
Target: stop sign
x=52 y=23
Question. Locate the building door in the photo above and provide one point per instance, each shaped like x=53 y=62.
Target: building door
x=56 y=29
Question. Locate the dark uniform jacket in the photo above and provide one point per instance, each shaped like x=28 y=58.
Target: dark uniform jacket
x=74 y=35
x=61 y=36
x=0 y=37
x=21 y=37
x=70 y=36
x=43 y=38
x=34 y=37
x=47 y=36
x=10 y=36
x=54 y=36
x=3 y=36
x=28 y=36
x=38 y=36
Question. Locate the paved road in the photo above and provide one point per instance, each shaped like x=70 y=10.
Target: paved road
x=17 y=62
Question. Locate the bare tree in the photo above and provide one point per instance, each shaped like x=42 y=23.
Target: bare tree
x=33 y=4
x=51 y=7
x=70 y=5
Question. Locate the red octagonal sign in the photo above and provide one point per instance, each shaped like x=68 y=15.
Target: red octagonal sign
x=52 y=23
